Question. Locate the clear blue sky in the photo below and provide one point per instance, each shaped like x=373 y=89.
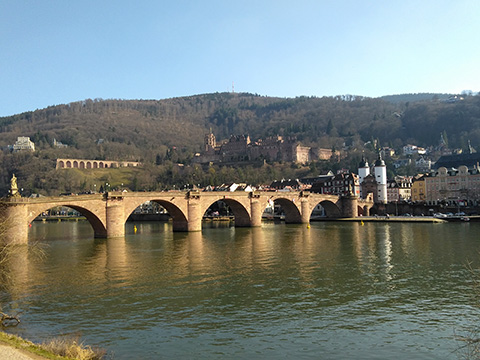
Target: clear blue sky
x=60 y=51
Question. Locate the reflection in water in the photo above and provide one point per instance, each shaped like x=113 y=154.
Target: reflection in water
x=333 y=290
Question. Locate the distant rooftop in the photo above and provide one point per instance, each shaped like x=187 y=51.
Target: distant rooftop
x=454 y=161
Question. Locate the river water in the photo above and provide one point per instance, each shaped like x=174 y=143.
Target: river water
x=332 y=291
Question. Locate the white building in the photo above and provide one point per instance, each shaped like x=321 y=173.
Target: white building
x=413 y=149
x=423 y=165
x=23 y=143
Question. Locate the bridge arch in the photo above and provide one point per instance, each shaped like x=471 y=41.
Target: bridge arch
x=98 y=225
x=331 y=209
x=291 y=209
x=179 y=219
x=240 y=212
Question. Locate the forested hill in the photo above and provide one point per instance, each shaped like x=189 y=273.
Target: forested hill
x=142 y=129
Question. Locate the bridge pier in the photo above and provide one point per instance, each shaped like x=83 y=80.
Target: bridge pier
x=16 y=229
x=305 y=206
x=349 y=206
x=194 y=216
x=256 y=211
x=115 y=215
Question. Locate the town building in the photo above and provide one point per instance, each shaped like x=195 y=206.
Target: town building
x=413 y=149
x=287 y=185
x=387 y=152
x=418 y=189
x=344 y=183
x=422 y=164
x=453 y=186
x=455 y=161
x=399 y=189
x=401 y=163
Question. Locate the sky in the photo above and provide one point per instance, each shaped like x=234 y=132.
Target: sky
x=56 y=52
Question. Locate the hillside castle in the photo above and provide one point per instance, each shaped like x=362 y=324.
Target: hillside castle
x=239 y=148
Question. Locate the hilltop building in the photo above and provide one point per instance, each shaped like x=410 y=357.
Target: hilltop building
x=93 y=164
x=240 y=148
x=23 y=143
x=413 y=149
x=59 y=144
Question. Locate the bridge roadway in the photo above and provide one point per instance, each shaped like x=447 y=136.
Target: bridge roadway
x=107 y=213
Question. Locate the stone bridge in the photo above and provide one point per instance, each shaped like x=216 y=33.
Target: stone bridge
x=107 y=213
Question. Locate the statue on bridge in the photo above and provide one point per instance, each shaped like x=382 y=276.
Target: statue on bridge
x=14 y=187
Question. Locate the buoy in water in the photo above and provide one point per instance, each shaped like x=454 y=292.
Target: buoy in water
x=135 y=229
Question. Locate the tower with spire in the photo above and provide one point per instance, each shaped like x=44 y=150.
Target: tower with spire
x=363 y=172
x=380 y=171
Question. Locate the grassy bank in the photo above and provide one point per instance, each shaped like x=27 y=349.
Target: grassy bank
x=56 y=349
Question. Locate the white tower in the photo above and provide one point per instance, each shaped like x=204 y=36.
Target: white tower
x=381 y=179
x=363 y=172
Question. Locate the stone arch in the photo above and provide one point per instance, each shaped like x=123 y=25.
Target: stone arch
x=75 y=164
x=95 y=165
x=69 y=164
x=61 y=164
x=82 y=165
x=89 y=165
x=331 y=209
x=100 y=165
x=179 y=219
x=240 y=213
x=292 y=213
x=99 y=228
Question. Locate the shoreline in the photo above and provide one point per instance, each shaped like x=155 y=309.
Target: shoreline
x=13 y=347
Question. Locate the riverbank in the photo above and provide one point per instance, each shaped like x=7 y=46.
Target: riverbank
x=414 y=219
x=15 y=348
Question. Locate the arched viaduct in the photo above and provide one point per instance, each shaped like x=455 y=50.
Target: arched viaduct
x=107 y=213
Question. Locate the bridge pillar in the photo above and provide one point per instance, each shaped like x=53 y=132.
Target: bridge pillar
x=16 y=231
x=305 y=207
x=349 y=206
x=194 y=215
x=256 y=210
x=115 y=217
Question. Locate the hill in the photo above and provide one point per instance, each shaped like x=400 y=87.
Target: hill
x=164 y=132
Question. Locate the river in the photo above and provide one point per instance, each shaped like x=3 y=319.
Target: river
x=333 y=290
